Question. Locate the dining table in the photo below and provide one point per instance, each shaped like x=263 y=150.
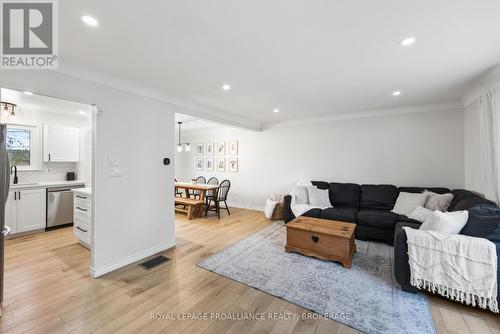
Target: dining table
x=201 y=188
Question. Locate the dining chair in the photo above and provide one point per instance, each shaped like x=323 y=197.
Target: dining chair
x=198 y=180
x=220 y=197
x=211 y=193
x=177 y=191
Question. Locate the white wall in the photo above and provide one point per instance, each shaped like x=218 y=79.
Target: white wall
x=419 y=149
x=473 y=169
x=133 y=214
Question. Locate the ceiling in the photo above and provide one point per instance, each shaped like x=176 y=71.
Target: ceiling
x=309 y=58
x=190 y=123
x=45 y=104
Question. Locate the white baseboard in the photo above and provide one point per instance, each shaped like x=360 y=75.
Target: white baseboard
x=246 y=206
x=96 y=272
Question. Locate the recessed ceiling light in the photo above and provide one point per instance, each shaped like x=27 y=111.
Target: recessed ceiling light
x=28 y=93
x=276 y=110
x=407 y=41
x=396 y=93
x=226 y=87
x=90 y=21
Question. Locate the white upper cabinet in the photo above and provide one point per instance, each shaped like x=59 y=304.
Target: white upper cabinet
x=61 y=144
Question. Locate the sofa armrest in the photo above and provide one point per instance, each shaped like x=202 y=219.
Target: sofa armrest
x=287 y=209
x=401 y=265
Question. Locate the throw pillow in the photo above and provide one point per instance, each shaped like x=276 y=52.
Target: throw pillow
x=446 y=222
x=407 y=202
x=437 y=201
x=318 y=198
x=300 y=195
x=420 y=214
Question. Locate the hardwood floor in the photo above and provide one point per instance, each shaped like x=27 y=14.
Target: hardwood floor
x=49 y=290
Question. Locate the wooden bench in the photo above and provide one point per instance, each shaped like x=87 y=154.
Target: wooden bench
x=192 y=207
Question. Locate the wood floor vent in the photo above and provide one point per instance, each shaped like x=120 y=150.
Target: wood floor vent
x=154 y=262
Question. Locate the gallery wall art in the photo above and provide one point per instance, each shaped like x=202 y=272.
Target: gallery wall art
x=226 y=160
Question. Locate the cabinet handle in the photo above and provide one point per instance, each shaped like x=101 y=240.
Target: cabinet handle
x=49 y=157
x=15 y=195
x=81 y=209
x=81 y=229
x=19 y=195
x=82 y=197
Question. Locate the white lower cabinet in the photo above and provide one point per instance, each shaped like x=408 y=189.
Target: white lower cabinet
x=82 y=217
x=25 y=210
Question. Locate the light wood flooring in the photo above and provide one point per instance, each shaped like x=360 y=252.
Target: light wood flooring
x=49 y=290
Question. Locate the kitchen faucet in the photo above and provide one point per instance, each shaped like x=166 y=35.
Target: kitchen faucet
x=15 y=173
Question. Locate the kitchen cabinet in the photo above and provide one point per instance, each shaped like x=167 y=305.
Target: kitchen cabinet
x=83 y=216
x=61 y=144
x=25 y=210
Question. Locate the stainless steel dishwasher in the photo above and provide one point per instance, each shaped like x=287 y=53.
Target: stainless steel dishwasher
x=60 y=206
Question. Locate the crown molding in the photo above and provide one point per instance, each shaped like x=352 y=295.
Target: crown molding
x=447 y=106
x=184 y=106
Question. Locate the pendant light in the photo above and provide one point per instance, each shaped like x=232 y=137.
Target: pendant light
x=179 y=144
x=9 y=108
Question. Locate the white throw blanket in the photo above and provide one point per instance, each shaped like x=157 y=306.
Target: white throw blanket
x=455 y=266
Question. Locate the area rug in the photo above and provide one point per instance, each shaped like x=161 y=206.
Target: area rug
x=365 y=297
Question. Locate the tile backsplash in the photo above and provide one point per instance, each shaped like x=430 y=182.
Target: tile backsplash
x=51 y=171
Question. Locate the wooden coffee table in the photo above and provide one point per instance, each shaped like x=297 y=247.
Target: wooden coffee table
x=325 y=239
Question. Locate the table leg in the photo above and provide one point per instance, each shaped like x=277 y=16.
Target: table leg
x=202 y=198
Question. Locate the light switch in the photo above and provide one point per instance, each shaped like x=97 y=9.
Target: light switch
x=114 y=169
x=115 y=172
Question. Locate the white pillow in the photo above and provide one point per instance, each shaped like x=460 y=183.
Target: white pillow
x=420 y=214
x=407 y=202
x=438 y=202
x=318 y=198
x=446 y=222
x=300 y=195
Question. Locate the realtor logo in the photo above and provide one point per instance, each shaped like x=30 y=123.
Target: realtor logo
x=29 y=34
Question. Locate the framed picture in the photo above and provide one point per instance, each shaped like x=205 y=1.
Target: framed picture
x=221 y=148
x=209 y=164
x=209 y=149
x=233 y=147
x=199 y=149
x=233 y=165
x=199 y=164
x=221 y=164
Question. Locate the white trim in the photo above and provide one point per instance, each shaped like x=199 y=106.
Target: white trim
x=244 y=206
x=448 y=106
x=97 y=272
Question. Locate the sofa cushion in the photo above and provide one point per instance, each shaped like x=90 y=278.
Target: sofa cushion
x=483 y=222
x=382 y=219
x=344 y=214
x=344 y=194
x=437 y=190
x=380 y=196
x=465 y=200
x=405 y=219
x=321 y=184
x=313 y=213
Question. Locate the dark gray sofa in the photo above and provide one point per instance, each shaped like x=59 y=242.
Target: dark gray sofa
x=483 y=222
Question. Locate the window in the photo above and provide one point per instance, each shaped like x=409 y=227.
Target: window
x=23 y=146
x=19 y=146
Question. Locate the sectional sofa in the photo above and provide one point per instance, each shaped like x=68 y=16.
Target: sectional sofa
x=369 y=207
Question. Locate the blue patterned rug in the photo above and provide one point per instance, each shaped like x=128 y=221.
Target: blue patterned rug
x=365 y=297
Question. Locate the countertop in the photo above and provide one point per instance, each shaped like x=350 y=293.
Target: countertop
x=48 y=184
x=86 y=191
